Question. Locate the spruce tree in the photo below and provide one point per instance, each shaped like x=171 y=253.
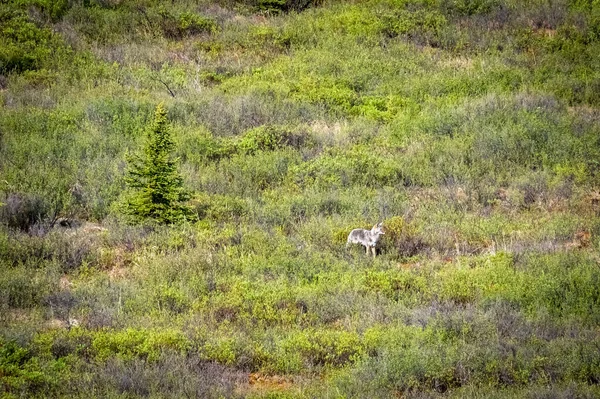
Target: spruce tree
x=157 y=191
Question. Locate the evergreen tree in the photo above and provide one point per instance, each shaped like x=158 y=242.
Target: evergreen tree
x=157 y=191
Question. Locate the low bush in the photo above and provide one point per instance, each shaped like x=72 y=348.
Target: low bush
x=23 y=372
x=358 y=166
x=171 y=375
x=318 y=348
x=269 y=138
x=135 y=343
x=219 y=208
x=25 y=46
x=56 y=249
x=421 y=25
x=185 y=24
x=23 y=211
x=23 y=288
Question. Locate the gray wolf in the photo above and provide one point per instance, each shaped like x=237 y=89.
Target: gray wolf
x=368 y=238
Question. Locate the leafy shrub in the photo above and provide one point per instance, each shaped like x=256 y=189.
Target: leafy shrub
x=269 y=138
x=22 y=372
x=24 y=46
x=285 y=5
x=172 y=375
x=470 y=8
x=564 y=284
x=220 y=208
x=322 y=348
x=247 y=175
x=184 y=24
x=23 y=288
x=400 y=286
x=22 y=211
x=53 y=10
x=57 y=248
x=172 y=300
x=358 y=166
x=393 y=228
x=131 y=343
x=421 y=25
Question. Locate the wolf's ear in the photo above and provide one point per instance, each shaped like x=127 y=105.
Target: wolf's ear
x=380 y=224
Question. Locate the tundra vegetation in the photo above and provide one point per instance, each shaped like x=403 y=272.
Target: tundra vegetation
x=470 y=128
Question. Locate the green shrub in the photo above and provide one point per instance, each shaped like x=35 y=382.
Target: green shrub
x=22 y=372
x=270 y=138
x=201 y=147
x=421 y=25
x=22 y=211
x=285 y=5
x=318 y=348
x=470 y=8
x=132 y=343
x=246 y=175
x=220 y=208
x=358 y=166
x=393 y=228
x=52 y=9
x=23 y=288
x=184 y=24
x=25 y=46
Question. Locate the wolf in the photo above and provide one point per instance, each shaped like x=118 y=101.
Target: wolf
x=368 y=238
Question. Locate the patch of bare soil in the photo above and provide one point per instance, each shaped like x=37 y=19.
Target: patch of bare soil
x=261 y=384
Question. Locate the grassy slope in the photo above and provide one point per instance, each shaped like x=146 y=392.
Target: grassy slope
x=470 y=128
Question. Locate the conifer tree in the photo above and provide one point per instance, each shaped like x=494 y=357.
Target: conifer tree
x=157 y=191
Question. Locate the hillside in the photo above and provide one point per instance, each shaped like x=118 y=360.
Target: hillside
x=471 y=129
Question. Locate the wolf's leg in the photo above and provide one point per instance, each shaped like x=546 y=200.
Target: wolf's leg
x=367 y=248
x=374 y=251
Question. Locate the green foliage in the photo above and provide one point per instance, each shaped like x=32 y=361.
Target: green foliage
x=394 y=227
x=422 y=25
x=23 y=211
x=21 y=371
x=159 y=194
x=270 y=138
x=24 y=45
x=470 y=128
x=285 y=5
x=470 y=8
x=184 y=24
x=23 y=288
x=132 y=343
x=220 y=208
x=51 y=9
x=320 y=348
x=357 y=166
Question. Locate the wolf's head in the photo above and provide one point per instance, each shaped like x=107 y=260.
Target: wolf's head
x=377 y=229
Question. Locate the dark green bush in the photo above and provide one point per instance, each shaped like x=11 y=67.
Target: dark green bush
x=423 y=26
x=220 y=208
x=24 y=46
x=52 y=10
x=320 y=348
x=269 y=138
x=184 y=24
x=471 y=7
x=22 y=372
x=285 y=5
